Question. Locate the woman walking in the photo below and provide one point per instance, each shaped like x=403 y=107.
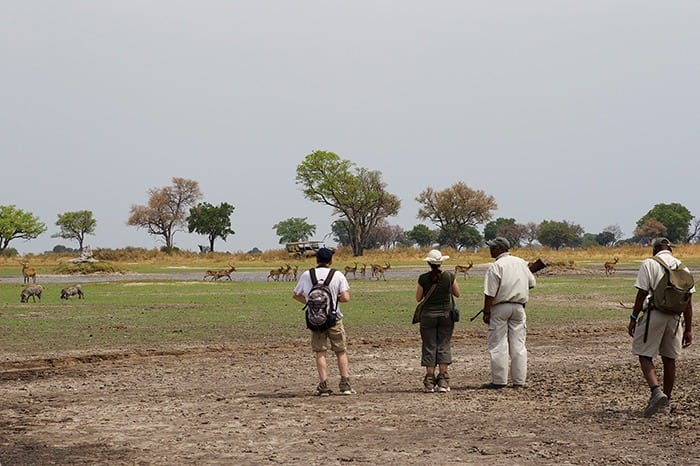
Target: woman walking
x=436 y=326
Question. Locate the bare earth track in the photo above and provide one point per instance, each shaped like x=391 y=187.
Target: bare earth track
x=252 y=405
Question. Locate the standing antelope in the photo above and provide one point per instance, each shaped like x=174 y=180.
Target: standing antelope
x=378 y=270
x=610 y=266
x=28 y=272
x=464 y=269
x=349 y=269
x=363 y=270
x=275 y=274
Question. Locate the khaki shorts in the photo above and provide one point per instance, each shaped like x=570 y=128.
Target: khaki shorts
x=665 y=335
x=335 y=334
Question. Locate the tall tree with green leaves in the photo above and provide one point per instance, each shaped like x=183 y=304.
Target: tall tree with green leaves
x=212 y=221
x=167 y=209
x=294 y=229
x=421 y=235
x=675 y=217
x=18 y=224
x=75 y=225
x=559 y=234
x=455 y=208
x=356 y=194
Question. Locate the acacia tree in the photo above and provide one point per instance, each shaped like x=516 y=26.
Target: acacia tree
x=166 y=211
x=212 y=221
x=18 y=224
x=674 y=217
x=356 y=194
x=294 y=229
x=75 y=225
x=454 y=209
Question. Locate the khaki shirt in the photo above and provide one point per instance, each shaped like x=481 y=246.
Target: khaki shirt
x=508 y=280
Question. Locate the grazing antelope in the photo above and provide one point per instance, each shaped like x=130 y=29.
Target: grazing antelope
x=30 y=292
x=610 y=266
x=378 y=270
x=72 y=291
x=28 y=272
x=349 y=269
x=464 y=269
x=363 y=270
x=275 y=274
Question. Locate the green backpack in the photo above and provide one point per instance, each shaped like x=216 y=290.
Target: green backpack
x=672 y=294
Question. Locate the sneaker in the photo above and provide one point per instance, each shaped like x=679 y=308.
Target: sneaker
x=429 y=383
x=518 y=386
x=322 y=389
x=345 y=388
x=657 y=401
x=665 y=409
x=493 y=386
x=443 y=382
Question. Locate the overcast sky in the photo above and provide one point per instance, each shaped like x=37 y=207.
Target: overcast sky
x=585 y=111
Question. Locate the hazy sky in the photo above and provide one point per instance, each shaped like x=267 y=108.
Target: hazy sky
x=585 y=111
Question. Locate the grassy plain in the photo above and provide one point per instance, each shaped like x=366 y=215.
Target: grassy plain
x=127 y=316
x=140 y=313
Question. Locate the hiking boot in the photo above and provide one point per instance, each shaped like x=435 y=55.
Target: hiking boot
x=322 y=389
x=345 y=388
x=429 y=383
x=443 y=382
x=493 y=386
x=657 y=401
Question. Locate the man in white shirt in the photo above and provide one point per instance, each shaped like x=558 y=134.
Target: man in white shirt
x=336 y=334
x=655 y=332
x=507 y=287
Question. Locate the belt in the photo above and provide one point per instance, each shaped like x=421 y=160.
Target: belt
x=509 y=302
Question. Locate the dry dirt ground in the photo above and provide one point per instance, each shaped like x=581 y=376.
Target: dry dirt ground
x=252 y=405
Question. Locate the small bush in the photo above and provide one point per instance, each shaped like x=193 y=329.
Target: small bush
x=87 y=268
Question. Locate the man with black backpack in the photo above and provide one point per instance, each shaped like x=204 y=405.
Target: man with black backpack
x=320 y=290
x=664 y=294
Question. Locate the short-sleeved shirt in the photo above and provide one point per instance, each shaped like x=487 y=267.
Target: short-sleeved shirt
x=650 y=272
x=440 y=299
x=508 y=280
x=339 y=284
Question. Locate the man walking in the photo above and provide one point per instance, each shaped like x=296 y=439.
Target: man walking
x=507 y=287
x=655 y=332
x=340 y=290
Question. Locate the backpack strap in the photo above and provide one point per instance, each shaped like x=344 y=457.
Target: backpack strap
x=663 y=264
x=327 y=282
x=329 y=277
x=312 y=273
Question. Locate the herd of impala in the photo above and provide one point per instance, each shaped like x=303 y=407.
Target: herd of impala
x=285 y=273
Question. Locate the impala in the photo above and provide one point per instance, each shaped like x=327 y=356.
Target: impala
x=464 y=269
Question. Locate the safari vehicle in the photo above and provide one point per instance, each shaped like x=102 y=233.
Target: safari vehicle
x=304 y=248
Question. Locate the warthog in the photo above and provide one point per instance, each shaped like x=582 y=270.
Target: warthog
x=72 y=291
x=31 y=291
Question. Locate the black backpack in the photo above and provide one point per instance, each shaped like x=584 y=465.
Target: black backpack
x=320 y=308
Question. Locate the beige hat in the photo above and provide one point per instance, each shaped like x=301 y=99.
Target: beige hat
x=435 y=257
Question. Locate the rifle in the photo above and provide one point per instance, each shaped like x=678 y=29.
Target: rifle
x=534 y=268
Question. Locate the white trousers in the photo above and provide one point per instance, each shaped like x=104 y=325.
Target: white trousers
x=506 y=340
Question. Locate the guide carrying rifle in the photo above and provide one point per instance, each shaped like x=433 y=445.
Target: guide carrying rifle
x=534 y=268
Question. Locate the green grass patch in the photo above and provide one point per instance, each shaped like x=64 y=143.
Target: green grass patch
x=140 y=315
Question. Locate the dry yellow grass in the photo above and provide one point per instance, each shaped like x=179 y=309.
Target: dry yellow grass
x=689 y=253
